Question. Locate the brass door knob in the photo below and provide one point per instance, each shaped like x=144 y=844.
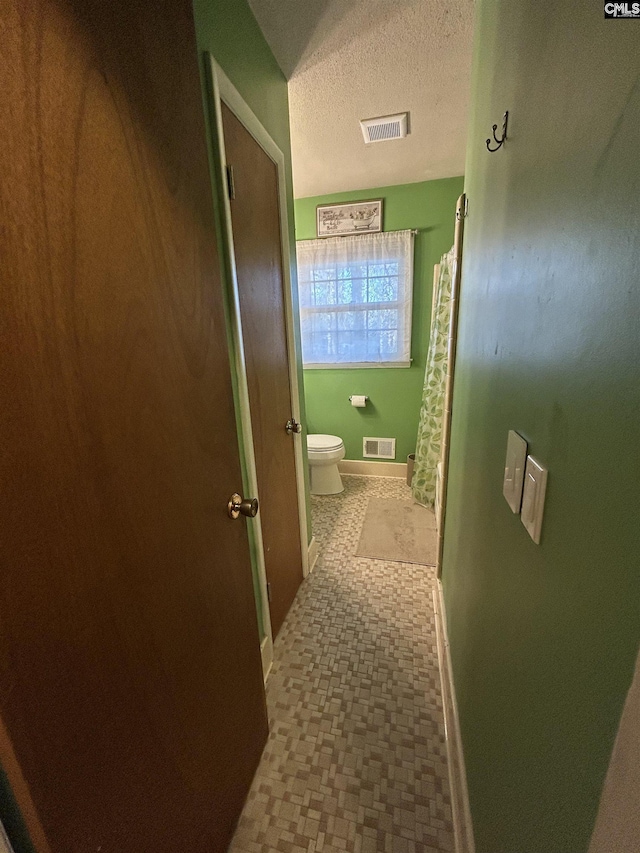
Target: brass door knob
x=238 y=506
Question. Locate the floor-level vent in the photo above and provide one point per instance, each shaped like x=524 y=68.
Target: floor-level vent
x=379 y=448
x=384 y=128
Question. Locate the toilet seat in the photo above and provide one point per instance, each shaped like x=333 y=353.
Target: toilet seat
x=322 y=443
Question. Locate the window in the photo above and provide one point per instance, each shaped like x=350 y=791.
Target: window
x=355 y=300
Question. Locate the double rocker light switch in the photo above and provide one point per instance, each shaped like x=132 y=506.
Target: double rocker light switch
x=525 y=484
x=514 y=470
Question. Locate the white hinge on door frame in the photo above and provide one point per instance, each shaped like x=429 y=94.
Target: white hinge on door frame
x=231 y=184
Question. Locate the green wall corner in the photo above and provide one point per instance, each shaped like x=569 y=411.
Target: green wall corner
x=395 y=393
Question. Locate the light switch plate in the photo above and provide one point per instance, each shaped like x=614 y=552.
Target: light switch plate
x=514 y=470
x=535 y=487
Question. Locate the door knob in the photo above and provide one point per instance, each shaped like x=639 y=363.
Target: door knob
x=238 y=506
x=292 y=426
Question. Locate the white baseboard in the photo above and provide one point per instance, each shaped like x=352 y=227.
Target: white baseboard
x=461 y=813
x=369 y=468
x=314 y=551
x=266 y=652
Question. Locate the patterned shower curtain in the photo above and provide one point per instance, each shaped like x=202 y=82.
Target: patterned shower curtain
x=429 y=442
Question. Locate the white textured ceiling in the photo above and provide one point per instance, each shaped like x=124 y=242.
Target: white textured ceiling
x=348 y=60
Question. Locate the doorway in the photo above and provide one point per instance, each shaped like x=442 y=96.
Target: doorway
x=251 y=168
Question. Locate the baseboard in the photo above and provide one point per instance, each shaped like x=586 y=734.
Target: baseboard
x=369 y=468
x=314 y=551
x=266 y=652
x=461 y=813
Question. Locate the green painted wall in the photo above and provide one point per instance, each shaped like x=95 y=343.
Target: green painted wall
x=228 y=30
x=544 y=638
x=395 y=393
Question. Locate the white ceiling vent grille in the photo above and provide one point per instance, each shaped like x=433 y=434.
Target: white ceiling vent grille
x=384 y=128
x=379 y=448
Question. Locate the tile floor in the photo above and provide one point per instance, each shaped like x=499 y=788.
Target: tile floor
x=356 y=759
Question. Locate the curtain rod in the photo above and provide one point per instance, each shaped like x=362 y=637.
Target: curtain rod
x=413 y=231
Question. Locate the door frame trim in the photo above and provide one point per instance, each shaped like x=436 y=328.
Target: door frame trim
x=222 y=90
x=461 y=213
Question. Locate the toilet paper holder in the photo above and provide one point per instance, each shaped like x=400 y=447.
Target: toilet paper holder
x=358 y=400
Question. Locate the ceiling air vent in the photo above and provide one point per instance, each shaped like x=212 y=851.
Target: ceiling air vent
x=379 y=448
x=384 y=128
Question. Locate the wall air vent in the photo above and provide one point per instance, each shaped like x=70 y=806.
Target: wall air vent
x=385 y=128
x=379 y=448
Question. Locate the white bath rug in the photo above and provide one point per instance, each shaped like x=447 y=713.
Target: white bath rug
x=401 y=531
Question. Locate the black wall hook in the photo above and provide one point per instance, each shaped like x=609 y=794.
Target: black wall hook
x=499 y=142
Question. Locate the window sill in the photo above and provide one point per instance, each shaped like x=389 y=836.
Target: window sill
x=357 y=365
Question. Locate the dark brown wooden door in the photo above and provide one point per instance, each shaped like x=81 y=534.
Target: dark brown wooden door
x=258 y=256
x=131 y=691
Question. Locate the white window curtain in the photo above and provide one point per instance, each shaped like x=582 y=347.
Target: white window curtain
x=355 y=300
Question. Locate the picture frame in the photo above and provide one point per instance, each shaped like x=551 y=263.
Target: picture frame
x=354 y=217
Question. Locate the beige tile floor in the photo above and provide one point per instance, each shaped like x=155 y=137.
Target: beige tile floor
x=356 y=758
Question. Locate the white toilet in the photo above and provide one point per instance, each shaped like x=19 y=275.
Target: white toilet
x=325 y=451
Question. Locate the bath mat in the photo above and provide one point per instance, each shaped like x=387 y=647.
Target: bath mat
x=398 y=530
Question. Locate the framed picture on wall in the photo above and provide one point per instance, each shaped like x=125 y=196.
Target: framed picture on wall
x=358 y=217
